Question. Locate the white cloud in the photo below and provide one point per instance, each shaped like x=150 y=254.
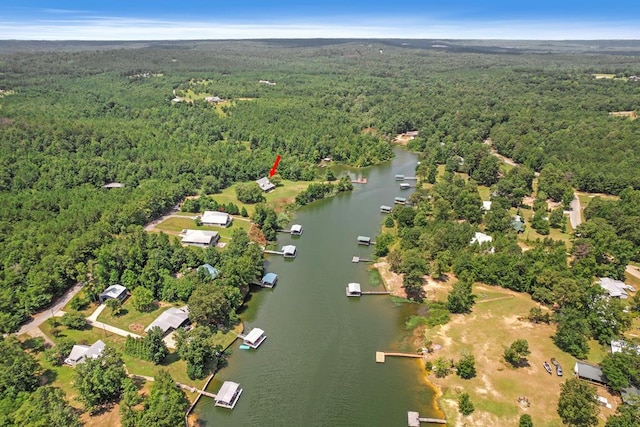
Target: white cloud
x=109 y=28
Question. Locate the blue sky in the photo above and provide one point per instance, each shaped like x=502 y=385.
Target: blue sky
x=231 y=19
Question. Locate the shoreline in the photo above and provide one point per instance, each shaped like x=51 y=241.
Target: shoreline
x=393 y=283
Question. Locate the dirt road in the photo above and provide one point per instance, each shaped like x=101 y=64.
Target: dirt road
x=39 y=318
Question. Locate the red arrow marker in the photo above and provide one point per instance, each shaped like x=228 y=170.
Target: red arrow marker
x=275 y=166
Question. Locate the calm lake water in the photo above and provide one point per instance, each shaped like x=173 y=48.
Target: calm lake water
x=317 y=366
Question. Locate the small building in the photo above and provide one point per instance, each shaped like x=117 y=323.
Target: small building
x=265 y=184
x=118 y=292
x=405 y=186
x=289 y=251
x=228 y=395
x=364 y=240
x=617 y=346
x=399 y=177
x=201 y=238
x=210 y=270
x=170 y=319
x=481 y=238
x=254 y=338
x=615 y=288
x=111 y=185
x=486 y=205
x=353 y=290
x=385 y=209
x=400 y=201
x=221 y=219
x=269 y=280
x=213 y=99
x=296 y=230
x=589 y=372
x=81 y=353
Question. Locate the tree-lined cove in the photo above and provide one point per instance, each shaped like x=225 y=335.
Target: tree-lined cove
x=141 y=177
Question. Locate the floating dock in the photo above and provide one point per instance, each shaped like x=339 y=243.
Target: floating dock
x=353 y=290
x=385 y=209
x=381 y=355
x=414 y=419
x=295 y=230
x=359 y=181
x=357 y=259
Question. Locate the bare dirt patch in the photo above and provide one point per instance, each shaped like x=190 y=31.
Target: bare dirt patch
x=110 y=418
x=392 y=281
x=629 y=114
x=137 y=328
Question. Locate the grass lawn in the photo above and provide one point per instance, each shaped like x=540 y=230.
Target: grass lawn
x=494 y=324
x=131 y=319
x=485 y=192
x=530 y=234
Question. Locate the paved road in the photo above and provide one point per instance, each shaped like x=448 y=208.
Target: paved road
x=41 y=317
x=575 y=216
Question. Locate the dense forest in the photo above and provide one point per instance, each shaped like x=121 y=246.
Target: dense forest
x=77 y=116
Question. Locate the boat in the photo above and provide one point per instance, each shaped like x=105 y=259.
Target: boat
x=244 y=347
x=547 y=367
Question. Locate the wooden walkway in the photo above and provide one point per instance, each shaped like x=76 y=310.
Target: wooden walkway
x=195 y=390
x=268 y=251
x=381 y=355
x=414 y=419
x=375 y=293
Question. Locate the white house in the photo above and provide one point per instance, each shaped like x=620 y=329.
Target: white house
x=615 y=288
x=221 y=219
x=201 y=238
x=618 y=345
x=265 y=184
x=80 y=353
x=113 y=292
x=170 y=319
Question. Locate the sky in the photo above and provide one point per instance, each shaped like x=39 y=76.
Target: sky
x=248 y=19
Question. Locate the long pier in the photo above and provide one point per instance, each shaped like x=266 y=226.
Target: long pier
x=414 y=419
x=196 y=390
x=356 y=259
x=375 y=293
x=269 y=251
x=381 y=355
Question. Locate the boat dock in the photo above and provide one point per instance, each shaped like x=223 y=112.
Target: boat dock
x=381 y=355
x=357 y=259
x=414 y=419
x=295 y=230
x=359 y=181
x=195 y=390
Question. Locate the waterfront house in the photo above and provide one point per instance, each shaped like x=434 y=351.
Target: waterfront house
x=265 y=184
x=118 y=292
x=228 y=395
x=588 y=372
x=289 y=251
x=400 y=201
x=170 y=319
x=221 y=219
x=200 y=238
x=269 y=280
x=385 y=209
x=364 y=240
x=353 y=290
x=296 y=230
x=81 y=353
x=254 y=338
x=615 y=288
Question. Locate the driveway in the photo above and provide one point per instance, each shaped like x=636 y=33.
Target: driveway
x=41 y=317
x=112 y=329
x=575 y=216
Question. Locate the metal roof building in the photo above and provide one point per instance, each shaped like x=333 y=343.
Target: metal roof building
x=589 y=372
x=265 y=184
x=222 y=219
x=353 y=290
x=211 y=270
x=202 y=238
x=80 y=353
x=289 y=251
x=171 y=318
x=113 y=292
x=254 y=338
x=615 y=288
x=296 y=230
x=269 y=280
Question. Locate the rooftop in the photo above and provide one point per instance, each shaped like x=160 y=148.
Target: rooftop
x=203 y=237
x=289 y=250
x=615 y=288
x=589 y=372
x=265 y=184
x=213 y=272
x=113 y=291
x=80 y=353
x=270 y=278
x=171 y=318
x=481 y=238
x=354 y=288
x=228 y=394
x=254 y=335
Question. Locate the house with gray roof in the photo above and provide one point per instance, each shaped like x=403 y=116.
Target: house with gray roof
x=200 y=238
x=81 y=353
x=615 y=288
x=588 y=372
x=118 y=292
x=265 y=184
x=221 y=219
x=170 y=319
